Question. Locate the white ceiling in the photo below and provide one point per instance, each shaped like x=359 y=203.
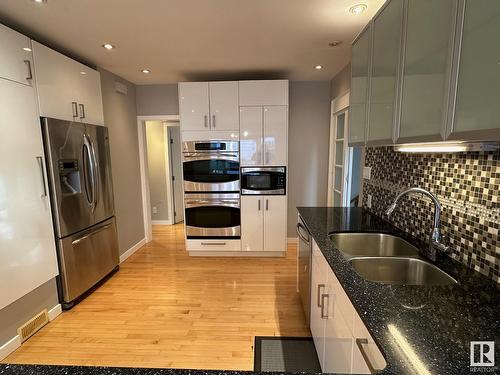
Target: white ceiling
x=183 y=40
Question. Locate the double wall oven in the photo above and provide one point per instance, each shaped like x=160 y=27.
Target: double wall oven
x=212 y=189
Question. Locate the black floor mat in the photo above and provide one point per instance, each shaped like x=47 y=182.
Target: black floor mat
x=285 y=354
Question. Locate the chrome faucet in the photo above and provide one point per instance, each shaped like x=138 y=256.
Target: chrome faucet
x=435 y=237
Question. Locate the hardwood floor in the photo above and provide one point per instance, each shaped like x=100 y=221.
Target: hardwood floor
x=166 y=309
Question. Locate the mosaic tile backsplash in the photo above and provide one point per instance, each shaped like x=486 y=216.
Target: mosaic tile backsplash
x=466 y=184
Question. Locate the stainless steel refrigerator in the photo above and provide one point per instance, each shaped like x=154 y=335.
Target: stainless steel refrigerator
x=79 y=167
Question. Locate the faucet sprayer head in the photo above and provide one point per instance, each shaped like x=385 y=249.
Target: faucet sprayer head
x=391 y=208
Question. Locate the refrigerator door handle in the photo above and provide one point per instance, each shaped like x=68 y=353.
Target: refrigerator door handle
x=95 y=231
x=95 y=176
x=87 y=147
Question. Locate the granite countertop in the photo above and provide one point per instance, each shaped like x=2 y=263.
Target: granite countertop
x=438 y=322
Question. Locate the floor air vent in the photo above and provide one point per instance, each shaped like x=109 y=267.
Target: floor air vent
x=33 y=325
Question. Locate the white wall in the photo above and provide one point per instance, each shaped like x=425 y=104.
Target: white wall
x=121 y=119
x=157 y=100
x=157 y=168
x=308 y=147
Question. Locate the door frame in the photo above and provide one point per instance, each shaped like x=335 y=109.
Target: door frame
x=339 y=105
x=144 y=171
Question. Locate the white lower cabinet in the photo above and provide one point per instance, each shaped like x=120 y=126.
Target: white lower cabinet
x=27 y=247
x=342 y=341
x=263 y=223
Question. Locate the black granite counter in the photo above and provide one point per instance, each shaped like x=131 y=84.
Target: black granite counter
x=437 y=322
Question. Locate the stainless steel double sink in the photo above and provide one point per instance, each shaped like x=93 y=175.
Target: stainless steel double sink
x=388 y=259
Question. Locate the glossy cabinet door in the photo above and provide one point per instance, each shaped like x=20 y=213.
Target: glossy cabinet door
x=15 y=61
x=90 y=97
x=426 y=69
x=365 y=354
x=27 y=247
x=251 y=141
x=318 y=288
x=194 y=107
x=252 y=223
x=360 y=66
x=274 y=223
x=477 y=109
x=67 y=89
x=263 y=92
x=275 y=135
x=384 y=73
x=338 y=335
x=224 y=105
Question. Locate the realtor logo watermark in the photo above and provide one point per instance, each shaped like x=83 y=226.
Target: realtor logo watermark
x=482 y=356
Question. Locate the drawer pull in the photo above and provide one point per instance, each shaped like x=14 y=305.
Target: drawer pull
x=323 y=298
x=360 y=342
x=213 y=243
x=319 y=294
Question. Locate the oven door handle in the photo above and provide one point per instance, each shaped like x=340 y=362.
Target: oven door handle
x=206 y=203
x=219 y=156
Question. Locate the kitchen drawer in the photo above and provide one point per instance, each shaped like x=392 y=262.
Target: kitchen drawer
x=213 y=245
x=367 y=357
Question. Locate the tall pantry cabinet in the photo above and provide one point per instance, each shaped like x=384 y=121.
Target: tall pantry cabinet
x=27 y=247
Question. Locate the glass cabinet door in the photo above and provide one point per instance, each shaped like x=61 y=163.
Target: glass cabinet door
x=426 y=69
x=359 y=87
x=477 y=110
x=386 y=52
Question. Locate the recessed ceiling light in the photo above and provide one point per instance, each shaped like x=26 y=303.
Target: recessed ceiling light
x=335 y=43
x=146 y=71
x=27 y=49
x=40 y=1
x=108 y=46
x=358 y=8
x=83 y=73
x=318 y=67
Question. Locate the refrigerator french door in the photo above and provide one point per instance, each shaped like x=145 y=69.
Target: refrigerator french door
x=78 y=162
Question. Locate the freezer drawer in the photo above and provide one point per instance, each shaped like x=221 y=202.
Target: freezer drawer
x=86 y=257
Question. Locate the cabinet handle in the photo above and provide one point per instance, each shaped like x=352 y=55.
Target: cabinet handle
x=323 y=298
x=360 y=342
x=213 y=121
x=75 y=109
x=267 y=204
x=30 y=72
x=213 y=243
x=82 y=111
x=319 y=294
x=259 y=204
x=206 y=121
x=39 y=159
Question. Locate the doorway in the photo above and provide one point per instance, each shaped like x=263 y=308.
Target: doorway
x=344 y=167
x=161 y=171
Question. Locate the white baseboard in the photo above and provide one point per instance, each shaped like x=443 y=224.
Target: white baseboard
x=292 y=240
x=9 y=347
x=132 y=250
x=55 y=312
x=161 y=222
x=242 y=254
x=15 y=342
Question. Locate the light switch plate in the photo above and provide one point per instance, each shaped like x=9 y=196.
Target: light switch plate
x=367 y=173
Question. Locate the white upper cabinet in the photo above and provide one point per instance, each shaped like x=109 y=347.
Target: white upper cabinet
x=426 y=69
x=15 y=56
x=208 y=106
x=275 y=135
x=224 y=105
x=477 y=111
x=360 y=70
x=266 y=92
x=384 y=73
x=67 y=89
x=194 y=107
x=251 y=142
x=27 y=247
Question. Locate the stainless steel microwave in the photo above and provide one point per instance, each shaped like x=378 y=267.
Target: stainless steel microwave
x=263 y=180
